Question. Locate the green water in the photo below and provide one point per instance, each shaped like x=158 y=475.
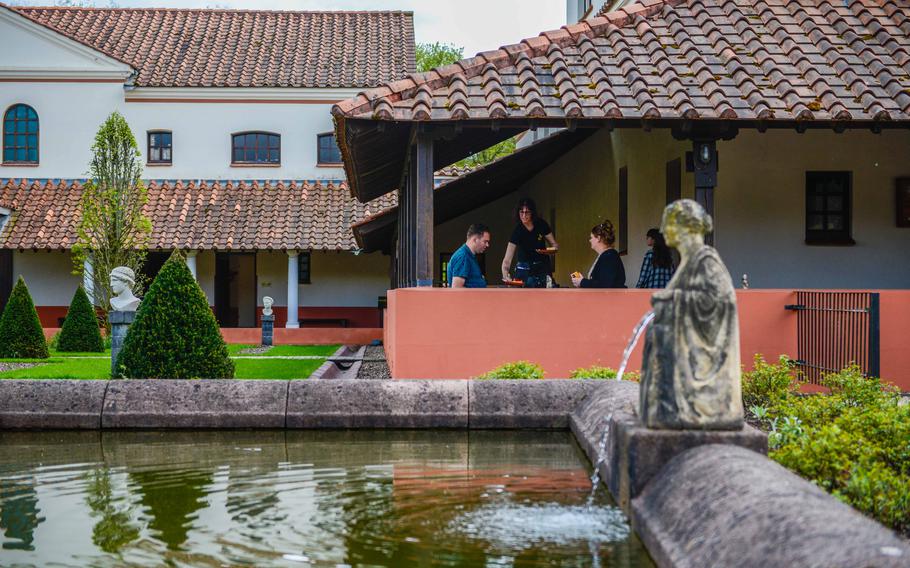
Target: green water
x=304 y=498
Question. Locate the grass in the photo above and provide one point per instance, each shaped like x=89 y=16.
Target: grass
x=263 y=366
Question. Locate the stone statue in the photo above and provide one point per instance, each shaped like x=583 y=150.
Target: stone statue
x=122 y=281
x=267 y=305
x=690 y=370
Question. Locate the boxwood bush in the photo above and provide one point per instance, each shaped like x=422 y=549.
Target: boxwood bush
x=516 y=370
x=853 y=442
x=80 y=330
x=175 y=335
x=21 y=335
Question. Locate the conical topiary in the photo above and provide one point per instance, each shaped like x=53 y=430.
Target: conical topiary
x=21 y=336
x=80 y=330
x=175 y=335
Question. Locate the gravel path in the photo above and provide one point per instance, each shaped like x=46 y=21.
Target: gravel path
x=254 y=350
x=374 y=369
x=14 y=366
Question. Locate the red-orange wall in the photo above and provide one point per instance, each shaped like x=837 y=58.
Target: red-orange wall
x=445 y=333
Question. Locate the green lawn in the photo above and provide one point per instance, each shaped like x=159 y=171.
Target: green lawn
x=264 y=366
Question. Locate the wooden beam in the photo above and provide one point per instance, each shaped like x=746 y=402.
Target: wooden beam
x=423 y=209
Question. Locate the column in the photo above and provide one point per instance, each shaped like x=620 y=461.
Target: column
x=191 y=263
x=293 y=269
x=88 y=279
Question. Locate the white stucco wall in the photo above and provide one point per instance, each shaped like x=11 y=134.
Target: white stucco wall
x=337 y=279
x=48 y=276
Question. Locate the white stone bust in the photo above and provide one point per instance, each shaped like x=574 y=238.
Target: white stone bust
x=267 y=305
x=122 y=281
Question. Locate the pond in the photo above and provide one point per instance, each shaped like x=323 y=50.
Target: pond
x=305 y=498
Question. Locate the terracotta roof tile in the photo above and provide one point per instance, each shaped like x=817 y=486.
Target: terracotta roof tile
x=222 y=215
x=243 y=48
x=731 y=59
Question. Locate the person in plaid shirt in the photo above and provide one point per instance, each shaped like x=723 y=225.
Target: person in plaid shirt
x=657 y=267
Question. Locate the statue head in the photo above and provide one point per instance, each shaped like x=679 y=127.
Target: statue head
x=267 y=305
x=122 y=279
x=685 y=220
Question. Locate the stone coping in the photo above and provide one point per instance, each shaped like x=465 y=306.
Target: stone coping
x=305 y=404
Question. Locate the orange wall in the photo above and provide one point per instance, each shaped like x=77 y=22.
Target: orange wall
x=895 y=330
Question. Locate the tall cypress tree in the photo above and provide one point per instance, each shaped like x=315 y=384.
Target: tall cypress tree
x=21 y=335
x=175 y=334
x=80 y=328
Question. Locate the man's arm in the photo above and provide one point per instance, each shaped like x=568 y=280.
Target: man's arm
x=458 y=282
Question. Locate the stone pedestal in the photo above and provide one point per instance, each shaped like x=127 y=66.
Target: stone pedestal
x=120 y=324
x=268 y=329
x=639 y=453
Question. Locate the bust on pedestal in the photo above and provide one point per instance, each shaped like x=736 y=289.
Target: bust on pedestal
x=123 y=310
x=268 y=321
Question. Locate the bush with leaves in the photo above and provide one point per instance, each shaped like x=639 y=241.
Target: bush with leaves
x=516 y=370
x=175 y=335
x=767 y=383
x=593 y=372
x=80 y=330
x=21 y=334
x=853 y=442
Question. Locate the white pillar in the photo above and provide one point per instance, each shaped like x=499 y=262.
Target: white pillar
x=88 y=279
x=191 y=263
x=293 y=269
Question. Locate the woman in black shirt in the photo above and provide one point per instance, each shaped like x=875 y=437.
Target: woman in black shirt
x=531 y=234
x=607 y=271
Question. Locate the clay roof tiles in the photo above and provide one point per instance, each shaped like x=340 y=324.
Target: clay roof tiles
x=243 y=48
x=695 y=59
x=205 y=215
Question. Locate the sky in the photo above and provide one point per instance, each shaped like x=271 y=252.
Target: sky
x=476 y=25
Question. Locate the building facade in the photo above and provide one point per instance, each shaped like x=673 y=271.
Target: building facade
x=231 y=113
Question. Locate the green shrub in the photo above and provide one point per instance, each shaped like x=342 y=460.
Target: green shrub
x=767 y=383
x=21 y=335
x=593 y=372
x=516 y=370
x=80 y=330
x=175 y=335
x=853 y=442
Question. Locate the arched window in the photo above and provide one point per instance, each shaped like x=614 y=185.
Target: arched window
x=256 y=148
x=20 y=135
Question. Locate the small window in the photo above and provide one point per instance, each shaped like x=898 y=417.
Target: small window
x=20 y=135
x=328 y=149
x=159 y=147
x=828 y=208
x=303 y=267
x=256 y=148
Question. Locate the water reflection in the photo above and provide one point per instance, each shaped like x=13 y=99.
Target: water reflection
x=387 y=498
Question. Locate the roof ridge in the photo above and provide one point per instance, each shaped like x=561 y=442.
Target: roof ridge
x=206 y=10
x=473 y=66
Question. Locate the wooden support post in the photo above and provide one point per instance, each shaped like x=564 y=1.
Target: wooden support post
x=704 y=158
x=423 y=210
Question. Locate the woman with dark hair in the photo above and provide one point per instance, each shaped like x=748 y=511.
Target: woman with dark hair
x=607 y=271
x=657 y=267
x=531 y=236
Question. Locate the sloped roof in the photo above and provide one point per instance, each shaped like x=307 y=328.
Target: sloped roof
x=243 y=48
x=204 y=215
x=768 y=61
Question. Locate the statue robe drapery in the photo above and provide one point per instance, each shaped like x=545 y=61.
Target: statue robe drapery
x=691 y=365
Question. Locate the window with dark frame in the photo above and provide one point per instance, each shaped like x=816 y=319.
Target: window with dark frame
x=303 y=267
x=623 y=236
x=20 y=135
x=256 y=148
x=327 y=149
x=160 y=149
x=828 y=208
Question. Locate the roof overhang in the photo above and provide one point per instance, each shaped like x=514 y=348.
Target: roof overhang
x=474 y=189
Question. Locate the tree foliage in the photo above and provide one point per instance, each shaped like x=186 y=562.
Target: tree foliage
x=21 y=335
x=113 y=231
x=175 y=335
x=433 y=55
x=80 y=330
x=492 y=153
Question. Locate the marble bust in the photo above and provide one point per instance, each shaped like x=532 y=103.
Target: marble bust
x=691 y=364
x=267 y=305
x=122 y=281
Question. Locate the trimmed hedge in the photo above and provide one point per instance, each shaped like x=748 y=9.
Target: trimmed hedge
x=80 y=330
x=175 y=335
x=516 y=370
x=21 y=335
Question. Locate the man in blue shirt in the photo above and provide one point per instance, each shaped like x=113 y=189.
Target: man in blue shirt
x=463 y=271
